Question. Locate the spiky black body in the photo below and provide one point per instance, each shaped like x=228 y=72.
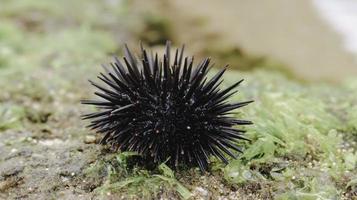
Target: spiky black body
x=166 y=110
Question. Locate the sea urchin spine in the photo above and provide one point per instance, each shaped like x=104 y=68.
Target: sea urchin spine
x=166 y=110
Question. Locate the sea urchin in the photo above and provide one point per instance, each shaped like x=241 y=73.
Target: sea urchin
x=166 y=109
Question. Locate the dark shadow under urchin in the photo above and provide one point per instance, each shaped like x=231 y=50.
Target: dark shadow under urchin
x=165 y=108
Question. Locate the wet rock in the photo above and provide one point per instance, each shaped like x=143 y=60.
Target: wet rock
x=52 y=142
x=4 y=185
x=9 y=183
x=89 y=139
x=201 y=192
x=25 y=152
x=11 y=167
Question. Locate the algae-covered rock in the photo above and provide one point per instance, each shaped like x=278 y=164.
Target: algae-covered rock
x=303 y=141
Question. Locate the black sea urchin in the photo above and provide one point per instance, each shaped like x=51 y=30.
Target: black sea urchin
x=166 y=110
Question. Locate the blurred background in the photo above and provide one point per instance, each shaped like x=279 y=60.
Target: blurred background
x=298 y=59
x=311 y=40
x=314 y=40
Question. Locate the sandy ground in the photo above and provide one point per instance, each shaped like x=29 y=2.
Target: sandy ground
x=290 y=31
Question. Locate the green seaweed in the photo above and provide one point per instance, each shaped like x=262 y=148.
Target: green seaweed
x=136 y=182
